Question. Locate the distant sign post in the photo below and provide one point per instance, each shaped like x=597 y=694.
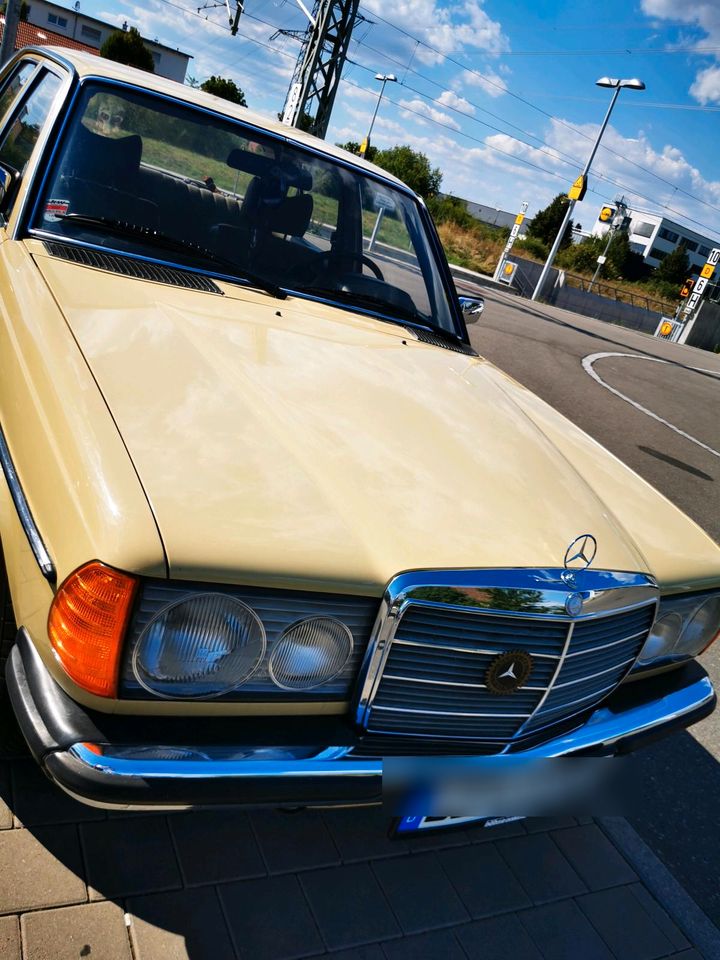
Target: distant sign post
x=689 y=312
x=509 y=245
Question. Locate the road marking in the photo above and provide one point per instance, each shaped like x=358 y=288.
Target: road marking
x=588 y=366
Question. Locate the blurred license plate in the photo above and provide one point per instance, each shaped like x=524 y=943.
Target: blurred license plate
x=413 y=826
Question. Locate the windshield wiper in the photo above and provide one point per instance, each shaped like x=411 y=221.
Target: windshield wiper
x=148 y=234
x=368 y=300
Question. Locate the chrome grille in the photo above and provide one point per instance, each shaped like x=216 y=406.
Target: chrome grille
x=431 y=681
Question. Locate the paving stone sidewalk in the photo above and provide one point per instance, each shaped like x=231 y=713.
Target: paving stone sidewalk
x=76 y=882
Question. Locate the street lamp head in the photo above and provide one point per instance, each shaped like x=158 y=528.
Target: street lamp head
x=633 y=84
x=385 y=77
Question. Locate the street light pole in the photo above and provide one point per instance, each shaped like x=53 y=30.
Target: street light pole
x=385 y=78
x=603 y=82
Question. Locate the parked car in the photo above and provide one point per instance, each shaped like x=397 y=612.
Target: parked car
x=267 y=516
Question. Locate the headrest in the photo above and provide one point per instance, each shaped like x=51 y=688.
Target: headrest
x=292 y=216
x=104 y=159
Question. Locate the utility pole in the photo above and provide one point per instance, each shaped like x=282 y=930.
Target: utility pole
x=618 y=222
x=315 y=81
x=12 y=18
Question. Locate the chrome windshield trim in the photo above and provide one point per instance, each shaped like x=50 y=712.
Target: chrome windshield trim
x=25 y=516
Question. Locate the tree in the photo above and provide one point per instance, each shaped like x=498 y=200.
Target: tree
x=24 y=10
x=126 y=46
x=625 y=263
x=675 y=268
x=412 y=167
x=227 y=89
x=546 y=223
x=352 y=146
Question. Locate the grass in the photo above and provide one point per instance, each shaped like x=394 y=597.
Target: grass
x=477 y=249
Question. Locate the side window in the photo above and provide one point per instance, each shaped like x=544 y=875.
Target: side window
x=17 y=80
x=20 y=137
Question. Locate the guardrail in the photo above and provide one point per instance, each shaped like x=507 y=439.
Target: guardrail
x=602 y=289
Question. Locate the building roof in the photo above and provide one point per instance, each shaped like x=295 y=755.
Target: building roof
x=29 y=35
x=112 y=26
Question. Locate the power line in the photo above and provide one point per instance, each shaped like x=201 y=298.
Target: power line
x=533 y=106
x=492 y=147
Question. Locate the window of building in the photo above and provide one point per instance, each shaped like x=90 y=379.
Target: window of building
x=156 y=57
x=690 y=245
x=52 y=18
x=642 y=229
x=703 y=250
x=90 y=32
x=669 y=235
x=657 y=254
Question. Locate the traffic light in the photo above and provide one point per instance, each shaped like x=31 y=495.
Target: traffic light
x=687 y=288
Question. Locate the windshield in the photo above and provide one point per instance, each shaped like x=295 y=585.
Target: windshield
x=144 y=175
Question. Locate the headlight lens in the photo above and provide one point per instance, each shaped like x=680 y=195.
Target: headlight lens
x=685 y=626
x=199 y=647
x=310 y=653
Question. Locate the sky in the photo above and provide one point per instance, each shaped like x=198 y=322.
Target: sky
x=501 y=97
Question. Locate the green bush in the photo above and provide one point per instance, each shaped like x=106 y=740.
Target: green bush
x=532 y=246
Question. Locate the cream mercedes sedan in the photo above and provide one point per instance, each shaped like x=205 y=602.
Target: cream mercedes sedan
x=267 y=517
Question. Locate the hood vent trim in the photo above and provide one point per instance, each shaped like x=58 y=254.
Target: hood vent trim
x=129 y=267
x=427 y=336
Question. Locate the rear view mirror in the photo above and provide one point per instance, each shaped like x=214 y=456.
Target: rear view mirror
x=471 y=308
x=9 y=183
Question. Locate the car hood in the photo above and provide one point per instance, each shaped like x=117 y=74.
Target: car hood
x=290 y=442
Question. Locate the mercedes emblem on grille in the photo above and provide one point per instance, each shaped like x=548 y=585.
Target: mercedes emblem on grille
x=508 y=672
x=581 y=552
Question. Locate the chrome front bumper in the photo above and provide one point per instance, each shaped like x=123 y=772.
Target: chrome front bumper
x=117 y=773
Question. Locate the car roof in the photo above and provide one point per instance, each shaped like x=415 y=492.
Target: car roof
x=91 y=65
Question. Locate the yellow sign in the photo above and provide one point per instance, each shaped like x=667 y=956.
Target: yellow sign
x=509 y=267
x=578 y=189
x=363 y=147
x=519 y=218
x=707 y=270
x=666 y=328
x=607 y=213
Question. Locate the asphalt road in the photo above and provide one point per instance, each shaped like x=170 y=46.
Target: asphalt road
x=663 y=420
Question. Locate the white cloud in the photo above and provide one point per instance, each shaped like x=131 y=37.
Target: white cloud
x=488 y=81
x=448 y=98
x=706 y=88
x=449 y=29
x=704 y=16
x=413 y=107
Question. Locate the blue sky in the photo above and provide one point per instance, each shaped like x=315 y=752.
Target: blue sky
x=500 y=96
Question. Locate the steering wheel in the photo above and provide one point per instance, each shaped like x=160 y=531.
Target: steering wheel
x=329 y=256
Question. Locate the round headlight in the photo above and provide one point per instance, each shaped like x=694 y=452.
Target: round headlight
x=663 y=637
x=701 y=628
x=310 y=653
x=202 y=646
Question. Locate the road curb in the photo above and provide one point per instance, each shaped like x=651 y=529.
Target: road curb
x=694 y=923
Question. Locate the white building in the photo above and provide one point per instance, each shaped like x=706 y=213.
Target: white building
x=654 y=237
x=76 y=25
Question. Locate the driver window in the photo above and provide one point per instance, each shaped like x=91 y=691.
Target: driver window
x=21 y=136
x=386 y=240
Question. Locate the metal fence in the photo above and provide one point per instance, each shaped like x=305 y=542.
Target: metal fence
x=602 y=289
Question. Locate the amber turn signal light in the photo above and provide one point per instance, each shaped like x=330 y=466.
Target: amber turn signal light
x=87 y=623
